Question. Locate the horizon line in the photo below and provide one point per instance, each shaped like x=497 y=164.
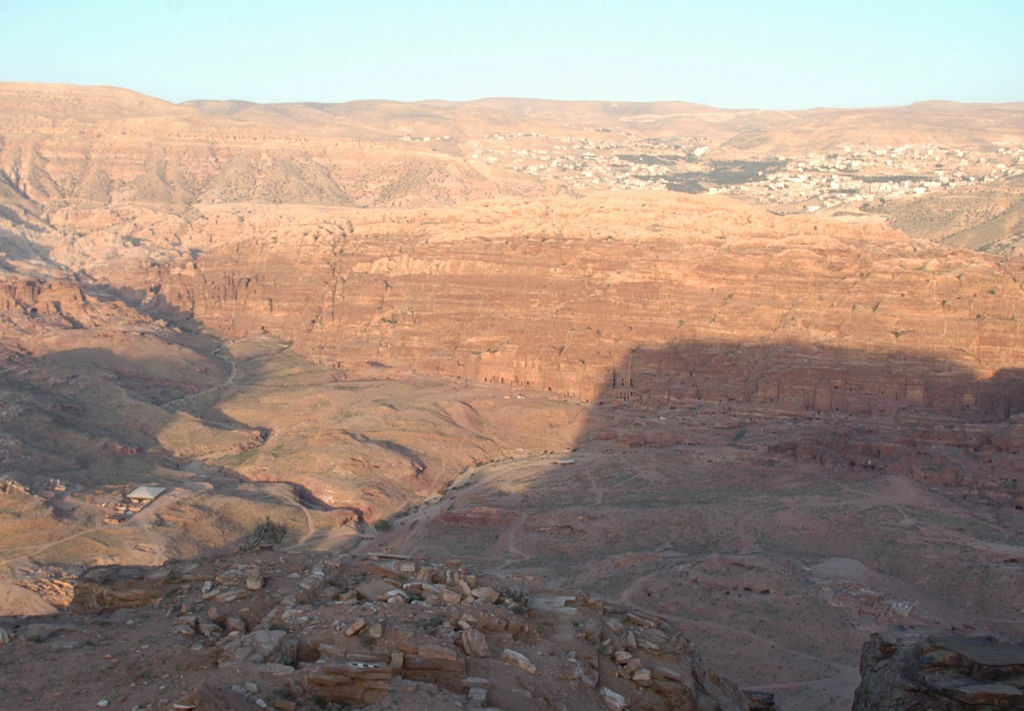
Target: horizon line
x=696 y=104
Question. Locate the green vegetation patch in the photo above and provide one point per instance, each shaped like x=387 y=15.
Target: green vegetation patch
x=737 y=172
x=648 y=159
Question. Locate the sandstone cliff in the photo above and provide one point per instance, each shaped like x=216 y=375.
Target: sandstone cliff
x=560 y=294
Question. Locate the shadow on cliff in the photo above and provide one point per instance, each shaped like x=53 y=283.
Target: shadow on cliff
x=19 y=247
x=158 y=382
x=95 y=420
x=153 y=303
x=926 y=418
x=758 y=497
x=802 y=379
x=843 y=410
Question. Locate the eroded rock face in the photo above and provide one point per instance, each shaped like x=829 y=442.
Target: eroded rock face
x=36 y=297
x=940 y=672
x=111 y=587
x=721 y=302
x=392 y=259
x=253 y=227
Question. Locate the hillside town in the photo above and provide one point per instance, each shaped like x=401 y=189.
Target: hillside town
x=789 y=183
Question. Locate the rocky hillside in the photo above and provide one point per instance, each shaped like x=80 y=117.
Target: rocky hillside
x=67 y=146
x=378 y=631
x=943 y=672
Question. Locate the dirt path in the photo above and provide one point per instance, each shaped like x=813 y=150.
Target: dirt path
x=51 y=544
x=510 y=543
x=691 y=621
x=143 y=519
x=225 y=355
x=310 y=527
x=845 y=676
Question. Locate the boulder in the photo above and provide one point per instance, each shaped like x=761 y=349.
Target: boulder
x=350 y=681
x=612 y=699
x=113 y=587
x=474 y=642
x=515 y=658
x=485 y=593
x=437 y=665
x=376 y=589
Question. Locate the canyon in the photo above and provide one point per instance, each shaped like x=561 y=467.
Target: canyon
x=776 y=431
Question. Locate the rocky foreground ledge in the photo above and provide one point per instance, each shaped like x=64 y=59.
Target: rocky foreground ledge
x=940 y=673
x=288 y=631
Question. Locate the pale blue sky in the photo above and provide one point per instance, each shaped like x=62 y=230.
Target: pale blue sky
x=730 y=53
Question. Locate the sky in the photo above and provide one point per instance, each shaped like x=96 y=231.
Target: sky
x=769 y=54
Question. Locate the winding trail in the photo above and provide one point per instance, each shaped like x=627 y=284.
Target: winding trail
x=225 y=355
x=310 y=527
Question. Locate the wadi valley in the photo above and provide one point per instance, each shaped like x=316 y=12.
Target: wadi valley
x=510 y=404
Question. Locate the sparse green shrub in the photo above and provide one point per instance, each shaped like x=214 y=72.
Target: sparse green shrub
x=266 y=534
x=515 y=596
x=383 y=525
x=432 y=623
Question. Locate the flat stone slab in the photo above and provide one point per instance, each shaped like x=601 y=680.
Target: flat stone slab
x=985 y=652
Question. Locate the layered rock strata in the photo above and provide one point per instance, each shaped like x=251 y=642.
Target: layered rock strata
x=661 y=301
x=940 y=672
